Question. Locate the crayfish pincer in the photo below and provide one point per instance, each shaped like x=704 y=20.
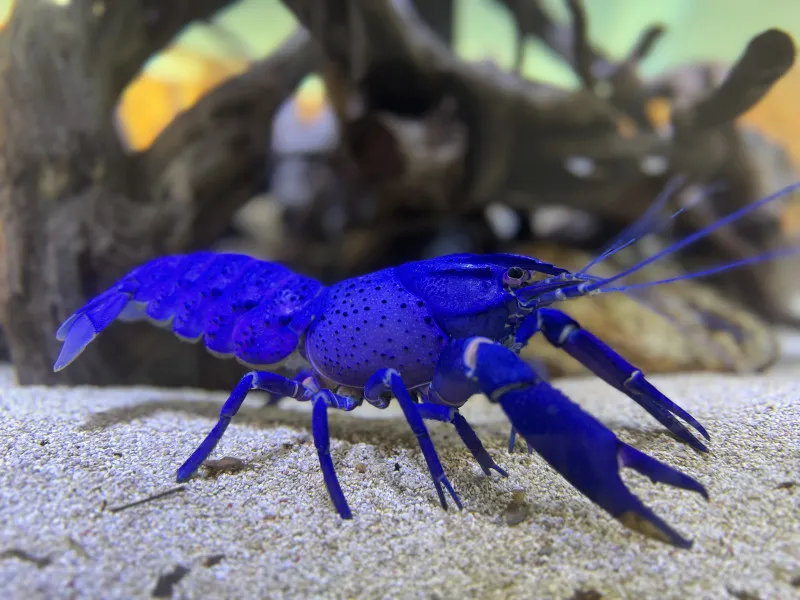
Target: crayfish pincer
x=429 y=334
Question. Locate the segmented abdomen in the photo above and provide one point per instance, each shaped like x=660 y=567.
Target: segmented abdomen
x=239 y=306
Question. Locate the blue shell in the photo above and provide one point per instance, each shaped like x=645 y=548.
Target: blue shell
x=372 y=322
x=240 y=307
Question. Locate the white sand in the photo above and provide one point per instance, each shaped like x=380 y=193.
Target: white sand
x=72 y=455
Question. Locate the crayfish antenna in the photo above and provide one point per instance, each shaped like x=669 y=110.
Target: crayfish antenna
x=751 y=260
x=641 y=228
x=696 y=236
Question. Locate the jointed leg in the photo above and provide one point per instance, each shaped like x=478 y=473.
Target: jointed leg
x=322 y=401
x=281 y=387
x=446 y=414
x=389 y=381
x=254 y=380
x=273 y=399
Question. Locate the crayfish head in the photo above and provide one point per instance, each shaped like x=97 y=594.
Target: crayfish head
x=471 y=294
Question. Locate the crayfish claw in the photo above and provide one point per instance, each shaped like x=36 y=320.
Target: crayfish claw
x=657 y=471
x=575 y=444
x=564 y=332
x=664 y=409
x=644 y=521
x=588 y=455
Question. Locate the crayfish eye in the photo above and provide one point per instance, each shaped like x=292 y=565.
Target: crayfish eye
x=514 y=276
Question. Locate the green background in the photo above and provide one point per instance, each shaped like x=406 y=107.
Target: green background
x=697 y=30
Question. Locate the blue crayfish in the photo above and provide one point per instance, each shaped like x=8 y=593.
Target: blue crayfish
x=430 y=334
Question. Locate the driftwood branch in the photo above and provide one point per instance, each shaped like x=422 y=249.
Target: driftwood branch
x=523 y=135
x=212 y=159
x=440 y=16
x=78 y=212
x=506 y=117
x=766 y=59
x=125 y=34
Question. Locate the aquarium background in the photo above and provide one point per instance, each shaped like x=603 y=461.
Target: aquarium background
x=712 y=30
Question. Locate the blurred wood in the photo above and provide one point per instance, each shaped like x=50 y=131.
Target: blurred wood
x=765 y=60
x=150 y=103
x=78 y=212
x=440 y=16
x=777 y=116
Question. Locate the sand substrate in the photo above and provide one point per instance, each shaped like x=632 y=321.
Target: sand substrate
x=72 y=458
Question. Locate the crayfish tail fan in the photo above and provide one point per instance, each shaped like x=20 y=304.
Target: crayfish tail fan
x=80 y=329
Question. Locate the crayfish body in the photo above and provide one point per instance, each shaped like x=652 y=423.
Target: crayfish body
x=430 y=334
